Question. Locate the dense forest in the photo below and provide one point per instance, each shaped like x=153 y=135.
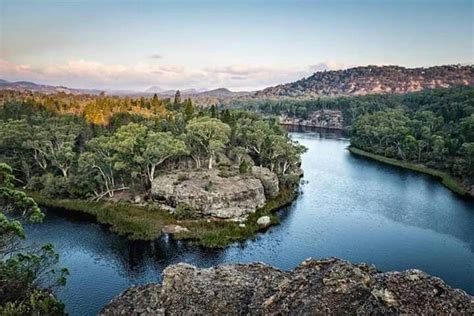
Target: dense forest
x=434 y=127
x=90 y=147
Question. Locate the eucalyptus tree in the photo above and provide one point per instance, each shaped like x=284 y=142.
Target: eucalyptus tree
x=209 y=134
x=158 y=147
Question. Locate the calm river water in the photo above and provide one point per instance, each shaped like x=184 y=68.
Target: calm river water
x=350 y=208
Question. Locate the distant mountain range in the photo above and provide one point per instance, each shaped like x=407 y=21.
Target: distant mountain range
x=348 y=82
x=49 y=89
x=371 y=80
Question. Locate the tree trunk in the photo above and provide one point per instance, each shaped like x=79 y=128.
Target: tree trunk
x=210 y=162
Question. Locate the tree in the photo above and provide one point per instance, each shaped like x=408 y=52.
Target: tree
x=188 y=110
x=53 y=142
x=160 y=146
x=177 y=99
x=26 y=277
x=127 y=144
x=213 y=111
x=210 y=134
x=99 y=160
x=251 y=135
x=13 y=135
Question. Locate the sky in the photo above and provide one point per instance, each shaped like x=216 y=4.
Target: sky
x=241 y=45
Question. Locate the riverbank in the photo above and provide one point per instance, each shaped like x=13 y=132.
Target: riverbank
x=447 y=180
x=146 y=222
x=304 y=127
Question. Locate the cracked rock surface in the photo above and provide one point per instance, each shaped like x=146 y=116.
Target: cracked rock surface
x=315 y=287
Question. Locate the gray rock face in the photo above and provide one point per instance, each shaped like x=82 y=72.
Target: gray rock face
x=269 y=180
x=316 y=287
x=322 y=118
x=209 y=194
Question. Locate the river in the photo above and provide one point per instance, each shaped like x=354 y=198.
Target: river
x=350 y=208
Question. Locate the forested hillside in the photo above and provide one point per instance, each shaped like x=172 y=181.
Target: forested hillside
x=433 y=128
x=371 y=80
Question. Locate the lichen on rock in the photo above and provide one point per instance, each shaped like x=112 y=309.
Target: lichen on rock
x=316 y=287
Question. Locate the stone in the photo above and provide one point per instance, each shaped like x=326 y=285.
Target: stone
x=137 y=199
x=315 y=287
x=242 y=225
x=210 y=195
x=269 y=180
x=174 y=229
x=264 y=221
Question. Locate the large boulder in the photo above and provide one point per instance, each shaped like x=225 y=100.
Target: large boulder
x=264 y=221
x=269 y=180
x=208 y=194
x=316 y=287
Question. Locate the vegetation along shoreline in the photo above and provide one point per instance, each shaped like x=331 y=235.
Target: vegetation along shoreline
x=447 y=180
x=148 y=222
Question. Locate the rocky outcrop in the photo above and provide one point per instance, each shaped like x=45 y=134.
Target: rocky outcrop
x=371 y=80
x=316 y=287
x=269 y=180
x=323 y=119
x=210 y=194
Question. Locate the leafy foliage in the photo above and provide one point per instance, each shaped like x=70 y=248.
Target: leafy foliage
x=129 y=142
x=27 y=277
x=432 y=128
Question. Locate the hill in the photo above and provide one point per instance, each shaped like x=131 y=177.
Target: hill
x=371 y=80
x=24 y=86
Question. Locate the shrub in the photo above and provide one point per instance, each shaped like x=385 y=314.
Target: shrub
x=244 y=167
x=55 y=186
x=36 y=184
x=185 y=211
x=209 y=186
x=183 y=177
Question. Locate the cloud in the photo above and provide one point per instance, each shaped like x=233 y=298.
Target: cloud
x=155 y=56
x=90 y=74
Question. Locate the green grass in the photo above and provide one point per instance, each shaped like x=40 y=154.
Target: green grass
x=446 y=179
x=146 y=222
x=135 y=222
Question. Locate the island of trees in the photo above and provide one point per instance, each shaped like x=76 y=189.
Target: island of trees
x=88 y=152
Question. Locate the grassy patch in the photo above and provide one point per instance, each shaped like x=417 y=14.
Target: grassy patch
x=146 y=222
x=135 y=222
x=446 y=179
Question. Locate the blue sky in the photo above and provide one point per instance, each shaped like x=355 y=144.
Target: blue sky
x=237 y=44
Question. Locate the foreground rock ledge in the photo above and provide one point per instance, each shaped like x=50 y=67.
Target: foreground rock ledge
x=330 y=286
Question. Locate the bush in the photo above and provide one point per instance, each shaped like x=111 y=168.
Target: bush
x=209 y=186
x=55 y=186
x=183 y=177
x=36 y=184
x=184 y=211
x=244 y=167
